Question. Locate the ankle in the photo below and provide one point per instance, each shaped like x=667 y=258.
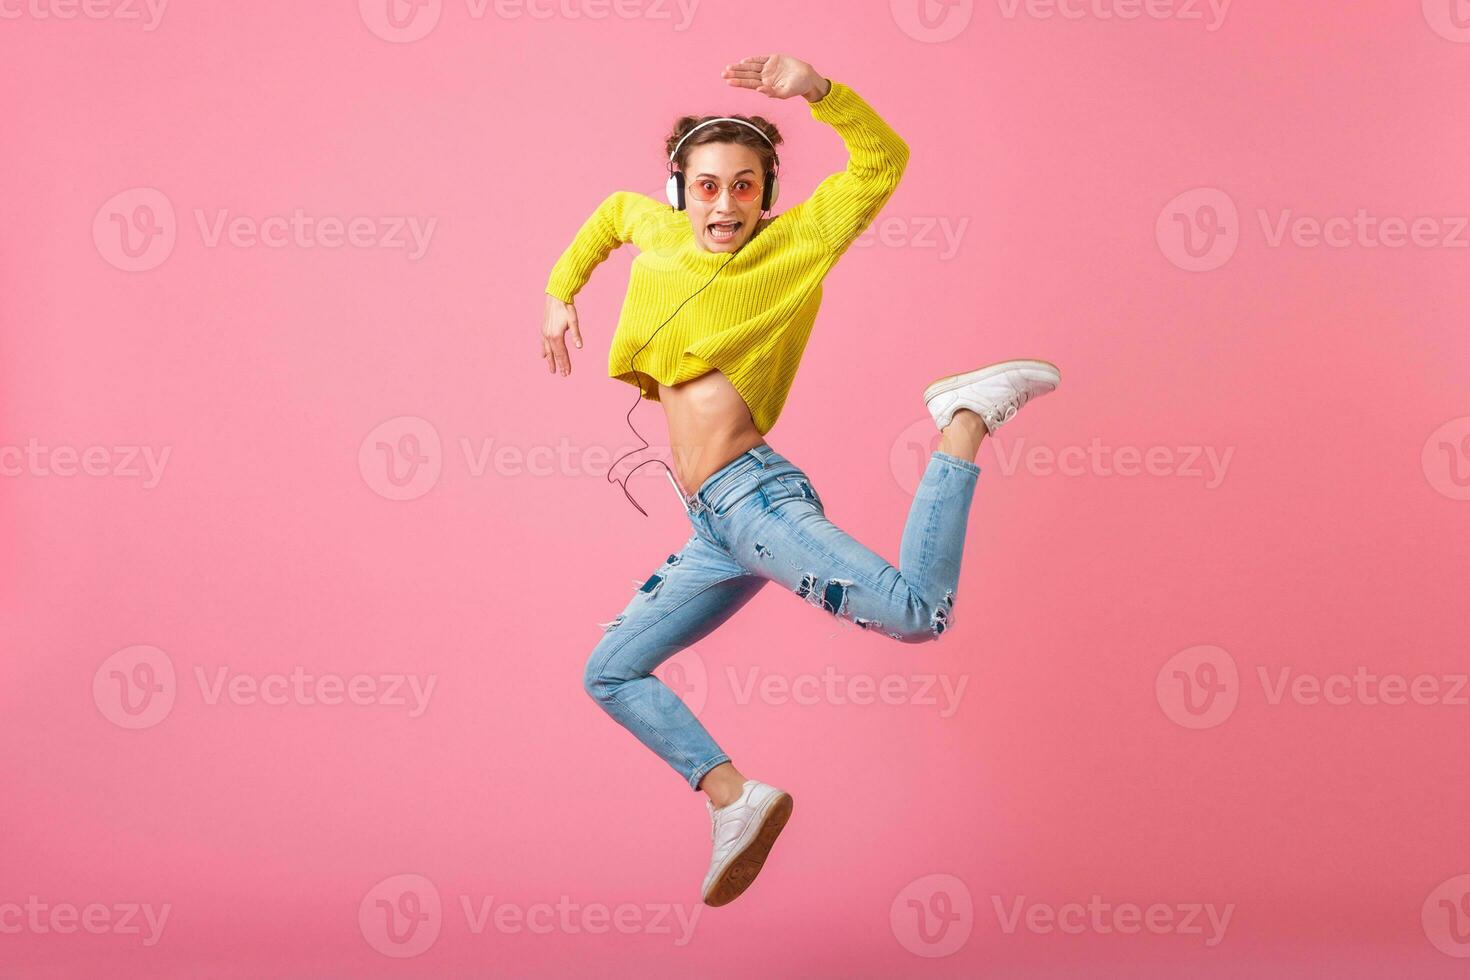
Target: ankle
x=723 y=785
x=963 y=435
x=723 y=796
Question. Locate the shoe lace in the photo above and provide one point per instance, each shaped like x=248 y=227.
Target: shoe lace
x=1003 y=412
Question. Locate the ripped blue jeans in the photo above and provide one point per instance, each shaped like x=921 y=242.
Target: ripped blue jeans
x=759 y=519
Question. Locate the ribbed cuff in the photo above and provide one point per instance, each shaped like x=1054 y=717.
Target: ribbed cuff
x=832 y=101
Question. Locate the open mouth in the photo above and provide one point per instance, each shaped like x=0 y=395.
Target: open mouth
x=723 y=231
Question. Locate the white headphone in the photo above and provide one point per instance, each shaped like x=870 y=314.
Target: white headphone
x=674 y=187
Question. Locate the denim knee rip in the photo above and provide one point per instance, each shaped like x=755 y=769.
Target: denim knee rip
x=649 y=588
x=833 y=598
x=942 y=617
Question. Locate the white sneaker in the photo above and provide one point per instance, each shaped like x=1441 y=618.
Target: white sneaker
x=995 y=392
x=743 y=833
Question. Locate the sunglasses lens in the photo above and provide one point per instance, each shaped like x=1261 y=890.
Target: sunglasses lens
x=742 y=190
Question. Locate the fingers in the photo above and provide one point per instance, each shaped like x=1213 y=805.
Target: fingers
x=575 y=327
x=742 y=77
x=750 y=68
x=559 y=353
x=755 y=72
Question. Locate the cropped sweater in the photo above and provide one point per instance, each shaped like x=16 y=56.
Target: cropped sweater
x=752 y=319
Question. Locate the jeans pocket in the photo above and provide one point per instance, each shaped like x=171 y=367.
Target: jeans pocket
x=730 y=499
x=787 y=487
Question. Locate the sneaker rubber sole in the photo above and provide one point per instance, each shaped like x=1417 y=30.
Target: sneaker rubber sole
x=747 y=862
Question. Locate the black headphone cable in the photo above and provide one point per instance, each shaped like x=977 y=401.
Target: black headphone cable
x=629 y=417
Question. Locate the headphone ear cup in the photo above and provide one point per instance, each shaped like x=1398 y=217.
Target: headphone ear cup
x=674 y=190
x=773 y=191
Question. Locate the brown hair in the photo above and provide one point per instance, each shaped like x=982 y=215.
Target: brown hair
x=724 y=132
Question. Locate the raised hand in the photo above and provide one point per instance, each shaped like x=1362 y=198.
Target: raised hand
x=778 y=75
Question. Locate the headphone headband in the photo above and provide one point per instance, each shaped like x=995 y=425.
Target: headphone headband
x=710 y=122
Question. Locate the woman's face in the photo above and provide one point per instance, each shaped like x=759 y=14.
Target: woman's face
x=724 y=223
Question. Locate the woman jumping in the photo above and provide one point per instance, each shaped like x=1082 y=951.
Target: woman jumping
x=731 y=296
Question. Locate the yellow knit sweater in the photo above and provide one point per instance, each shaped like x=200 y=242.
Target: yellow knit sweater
x=753 y=319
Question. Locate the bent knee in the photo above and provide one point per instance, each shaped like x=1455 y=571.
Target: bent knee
x=911 y=627
x=924 y=622
x=914 y=634
x=600 y=675
x=597 y=680
x=595 y=684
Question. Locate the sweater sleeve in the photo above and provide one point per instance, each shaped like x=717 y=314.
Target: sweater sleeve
x=847 y=202
x=611 y=225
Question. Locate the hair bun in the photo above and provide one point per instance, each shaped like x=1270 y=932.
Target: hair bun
x=724 y=132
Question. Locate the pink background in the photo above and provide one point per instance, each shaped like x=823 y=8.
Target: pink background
x=1336 y=378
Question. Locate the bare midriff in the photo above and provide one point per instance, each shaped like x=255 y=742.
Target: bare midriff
x=709 y=425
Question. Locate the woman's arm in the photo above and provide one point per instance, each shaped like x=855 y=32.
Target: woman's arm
x=611 y=225
x=844 y=203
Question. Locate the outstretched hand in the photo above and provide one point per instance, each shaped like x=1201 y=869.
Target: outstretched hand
x=778 y=75
x=559 y=321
